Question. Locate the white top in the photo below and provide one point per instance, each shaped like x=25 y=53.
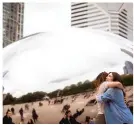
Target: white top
x=101 y=90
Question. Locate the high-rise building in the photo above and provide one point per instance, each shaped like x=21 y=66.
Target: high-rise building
x=112 y=17
x=13 y=14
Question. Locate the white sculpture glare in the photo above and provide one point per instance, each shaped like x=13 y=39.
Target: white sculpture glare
x=63 y=57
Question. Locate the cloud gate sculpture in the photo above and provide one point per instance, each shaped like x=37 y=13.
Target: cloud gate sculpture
x=51 y=60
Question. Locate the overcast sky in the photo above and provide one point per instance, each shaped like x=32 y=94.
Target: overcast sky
x=40 y=17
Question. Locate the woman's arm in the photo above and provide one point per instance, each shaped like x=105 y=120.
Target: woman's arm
x=107 y=96
x=115 y=84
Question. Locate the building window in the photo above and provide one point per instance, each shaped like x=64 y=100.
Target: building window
x=79 y=11
x=122 y=20
x=79 y=15
x=122 y=36
x=12 y=6
x=123 y=28
x=123 y=24
x=20 y=8
x=79 y=23
x=79 y=7
x=19 y=28
x=21 y=31
x=123 y=32
x=124 y=13
x=21 y=20
x=124 y=10
x=12 y=9
x=79 y=4
x=14 y=38
x=7 y=26
x=123 y=16
x=83 y=26
x=79 y=19
x=98 y=23
x=11 y=27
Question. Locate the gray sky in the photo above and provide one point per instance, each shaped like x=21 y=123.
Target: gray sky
x=40 y=17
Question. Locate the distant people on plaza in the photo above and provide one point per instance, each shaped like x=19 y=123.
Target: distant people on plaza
x=89 y=120
x=73 y=99
x=110 y=94
x=71 y=119
x=34 y=115
x=7 y=118
x=85 y=96
x=12 y=110
x=30 y=121
x=26 y=107
x=40 y=104
x=21 y=114
x=65 y=108
x=92 y=121
x=22 y=121
x=49 y=102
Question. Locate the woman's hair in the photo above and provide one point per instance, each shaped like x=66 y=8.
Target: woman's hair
x=100 y=78
x=8 y=111
x=116 y=76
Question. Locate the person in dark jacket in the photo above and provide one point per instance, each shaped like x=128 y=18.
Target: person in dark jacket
x=71 y=119
x=34 y=115
x=7 y=118
x=21 y=113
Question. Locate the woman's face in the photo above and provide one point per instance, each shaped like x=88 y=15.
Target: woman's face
x=109 y=77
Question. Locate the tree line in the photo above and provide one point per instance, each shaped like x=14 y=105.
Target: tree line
x=80 y=87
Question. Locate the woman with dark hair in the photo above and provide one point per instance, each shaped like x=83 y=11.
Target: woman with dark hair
x=115 y=108
x=34 y=115
x=101 y=86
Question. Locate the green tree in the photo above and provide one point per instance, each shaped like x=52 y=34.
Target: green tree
x=9 y=99
x=127 y=79
x=79 y=84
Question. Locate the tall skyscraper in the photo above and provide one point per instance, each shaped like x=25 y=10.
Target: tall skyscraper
x=13 y=14
x=112 y=17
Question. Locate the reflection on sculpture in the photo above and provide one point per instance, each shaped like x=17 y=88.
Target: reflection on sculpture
x=63 y=56
x=128 y=68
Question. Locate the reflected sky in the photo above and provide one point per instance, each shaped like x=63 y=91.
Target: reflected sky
x=53 y=60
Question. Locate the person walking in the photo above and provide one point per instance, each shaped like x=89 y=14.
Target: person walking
x=34 y=115
x=21 y=114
